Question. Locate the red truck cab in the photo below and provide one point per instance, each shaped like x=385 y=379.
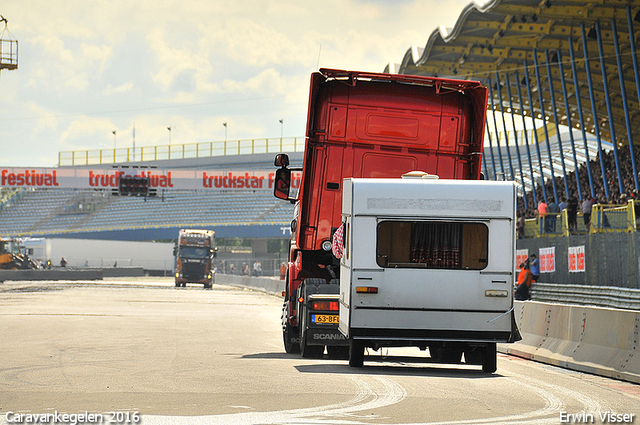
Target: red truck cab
x=362 y=124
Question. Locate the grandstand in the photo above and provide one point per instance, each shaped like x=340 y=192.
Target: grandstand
x=97 y=214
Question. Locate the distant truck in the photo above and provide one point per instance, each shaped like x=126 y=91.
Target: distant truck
x=362 y=124
x=428 y=263
x=194 y=253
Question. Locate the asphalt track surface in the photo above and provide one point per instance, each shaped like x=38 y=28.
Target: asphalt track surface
x=141 y=351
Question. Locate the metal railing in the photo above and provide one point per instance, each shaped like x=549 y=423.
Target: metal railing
x=604 y=219
x=8 y=54
x=601 y=296
x=188 y=150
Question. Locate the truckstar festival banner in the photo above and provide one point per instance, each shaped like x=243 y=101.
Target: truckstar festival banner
x=176 y=179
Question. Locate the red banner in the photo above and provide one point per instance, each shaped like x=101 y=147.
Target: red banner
x=548 y=260
x=174 y=179
x=521 y=256
x=576 y=259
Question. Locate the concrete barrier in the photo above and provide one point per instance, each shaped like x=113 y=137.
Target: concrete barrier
x=602 y=341
x=123 y=271
x=273 y=286
x=53 y=274
x=68 y=273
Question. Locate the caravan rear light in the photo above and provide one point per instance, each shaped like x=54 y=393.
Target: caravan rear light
x=326 y=305
x=367 y=289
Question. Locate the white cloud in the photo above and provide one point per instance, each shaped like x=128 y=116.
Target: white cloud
x=123 y=88
x=87 y=68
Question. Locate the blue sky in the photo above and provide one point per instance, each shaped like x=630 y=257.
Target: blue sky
x=89 y=67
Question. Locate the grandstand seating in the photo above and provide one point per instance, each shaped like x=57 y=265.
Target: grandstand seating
x=62 y=211
x=43 y=211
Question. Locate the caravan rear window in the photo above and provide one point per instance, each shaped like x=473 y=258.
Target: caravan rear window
x=432 y=244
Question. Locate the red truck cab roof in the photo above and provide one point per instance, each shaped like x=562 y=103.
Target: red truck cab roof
x=363 y=124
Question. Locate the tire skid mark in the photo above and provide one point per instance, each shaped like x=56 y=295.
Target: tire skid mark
x=546 y=415
x=370 y=395
x=552 y=404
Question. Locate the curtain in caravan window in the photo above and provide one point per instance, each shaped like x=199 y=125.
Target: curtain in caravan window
x=435 y=244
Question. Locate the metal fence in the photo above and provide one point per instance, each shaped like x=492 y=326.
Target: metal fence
x=611 y=259
x=604 y=219
x=601 y=296
x=181 y=151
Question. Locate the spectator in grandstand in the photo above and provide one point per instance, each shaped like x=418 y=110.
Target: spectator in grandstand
x=563 y=204
x=542 y=213
x=534 y=266
x=232 y=269
x=572 y=214
x=587 y=204
x=63 y=262
x=552 y=215
x=520 y=223
x=524 y=282
x=245 y=269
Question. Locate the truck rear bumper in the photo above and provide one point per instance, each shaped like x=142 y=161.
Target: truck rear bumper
x=404 y=337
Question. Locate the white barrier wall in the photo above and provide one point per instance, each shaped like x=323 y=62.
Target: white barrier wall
x=100 y=253
x=596 y=340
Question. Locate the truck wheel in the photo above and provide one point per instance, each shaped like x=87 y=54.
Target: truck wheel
x=289 y=337
x=308 y=351
x=356 y=354
x=474 y=356
x=208 y=285
x=177 y=284
x=490 y=361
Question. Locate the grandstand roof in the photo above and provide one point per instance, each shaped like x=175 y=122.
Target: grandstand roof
x=495 y=39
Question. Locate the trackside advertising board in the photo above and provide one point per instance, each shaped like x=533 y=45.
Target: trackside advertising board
x=177 y=179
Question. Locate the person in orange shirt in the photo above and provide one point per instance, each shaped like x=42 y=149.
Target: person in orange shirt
x=543 y=209
x=524 y=282
x=283 y=271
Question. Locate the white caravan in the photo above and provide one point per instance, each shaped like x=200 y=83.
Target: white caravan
x=428 y=263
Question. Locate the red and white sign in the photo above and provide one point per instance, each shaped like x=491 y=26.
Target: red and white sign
x=576 y=259
x=176 y=179
x=548 y=260
x=521 y=256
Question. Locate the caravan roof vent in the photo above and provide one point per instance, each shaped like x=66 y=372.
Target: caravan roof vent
x=419 y=175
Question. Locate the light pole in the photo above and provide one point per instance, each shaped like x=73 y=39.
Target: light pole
x=114 y=139
x=169 y=128
x=281 y=128
x=225 y=130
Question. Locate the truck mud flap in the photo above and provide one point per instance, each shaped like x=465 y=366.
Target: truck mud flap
x=326 y=337
x=515 y=332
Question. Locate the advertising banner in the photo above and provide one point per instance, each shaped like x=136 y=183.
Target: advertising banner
x=169 y=179
x=548 y=260
x=521 y=256
x=576 y=259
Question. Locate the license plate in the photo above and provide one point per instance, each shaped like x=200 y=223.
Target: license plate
x=325 y=318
